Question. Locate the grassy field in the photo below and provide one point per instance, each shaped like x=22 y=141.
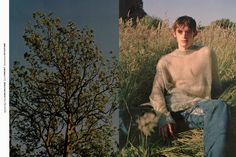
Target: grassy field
x=141 y=46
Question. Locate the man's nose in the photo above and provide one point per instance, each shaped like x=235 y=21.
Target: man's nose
x=185 y=34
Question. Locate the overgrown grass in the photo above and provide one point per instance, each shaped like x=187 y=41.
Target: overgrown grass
x=141 y=46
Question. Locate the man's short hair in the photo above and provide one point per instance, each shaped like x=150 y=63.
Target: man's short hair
x=185 y=21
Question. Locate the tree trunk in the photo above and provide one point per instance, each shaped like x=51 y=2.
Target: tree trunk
x=69 y=131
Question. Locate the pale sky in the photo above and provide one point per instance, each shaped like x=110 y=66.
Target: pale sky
x=203 y=11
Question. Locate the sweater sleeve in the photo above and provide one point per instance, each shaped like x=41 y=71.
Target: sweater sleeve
x=157 y=98
x=216 y=84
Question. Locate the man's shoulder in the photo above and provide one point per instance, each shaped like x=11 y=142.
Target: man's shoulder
x=200 y=48
x=165 y=59
x=168 y=55
x=205 y=50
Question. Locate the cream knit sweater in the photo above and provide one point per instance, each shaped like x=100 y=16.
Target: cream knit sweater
x=182 y=79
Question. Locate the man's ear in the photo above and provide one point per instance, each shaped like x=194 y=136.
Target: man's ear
x=174 y=34
x=195 y=34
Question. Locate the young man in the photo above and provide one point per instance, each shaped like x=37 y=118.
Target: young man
x=186 y=81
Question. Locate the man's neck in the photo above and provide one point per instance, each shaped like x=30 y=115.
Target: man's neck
x=181 y=48
x=185 y=51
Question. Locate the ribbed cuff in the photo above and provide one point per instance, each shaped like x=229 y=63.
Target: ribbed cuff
x=165 y=119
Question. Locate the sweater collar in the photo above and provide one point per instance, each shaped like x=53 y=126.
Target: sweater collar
x=186 y=52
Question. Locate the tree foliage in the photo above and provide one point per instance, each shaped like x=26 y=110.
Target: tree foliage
x=63 y=98
x=131 y=9
x=224 y=23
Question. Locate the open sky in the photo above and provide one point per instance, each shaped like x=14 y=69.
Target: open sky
x=102 y=16
x=203 y=11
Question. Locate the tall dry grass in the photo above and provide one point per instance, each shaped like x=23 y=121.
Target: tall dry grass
x=141 y=46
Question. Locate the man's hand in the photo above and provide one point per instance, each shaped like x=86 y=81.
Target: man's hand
x=167 y=131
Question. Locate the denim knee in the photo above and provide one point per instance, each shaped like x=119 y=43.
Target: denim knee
x=220 y=105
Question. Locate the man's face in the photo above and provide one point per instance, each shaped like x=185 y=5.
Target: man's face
x=184 y=37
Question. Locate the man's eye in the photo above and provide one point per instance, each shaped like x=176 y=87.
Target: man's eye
x=180 y=32
x=188 y=32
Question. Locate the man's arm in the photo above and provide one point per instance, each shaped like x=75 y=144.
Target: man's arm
x=157 y=100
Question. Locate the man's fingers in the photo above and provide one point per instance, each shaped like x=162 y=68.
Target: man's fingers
x=162 y=132
x=166 y=131
x=171 y=129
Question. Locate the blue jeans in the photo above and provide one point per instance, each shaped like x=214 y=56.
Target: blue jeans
x=213 y=117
